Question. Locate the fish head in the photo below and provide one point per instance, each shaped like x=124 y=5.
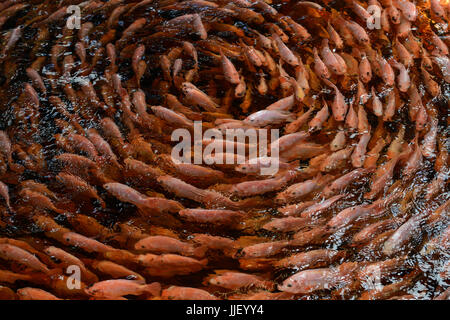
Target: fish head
x=186 y=87
x=243 y=168
x=215 y=281
x=288 y=286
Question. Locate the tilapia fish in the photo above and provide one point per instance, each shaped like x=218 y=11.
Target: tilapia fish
x=128 y=137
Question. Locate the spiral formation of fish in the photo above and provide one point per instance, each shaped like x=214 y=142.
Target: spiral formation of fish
x=94 y=206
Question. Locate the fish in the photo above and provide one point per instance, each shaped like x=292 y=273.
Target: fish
x=298 y=123
x=339 y=107
x=330 y=59
x=229 y=70
x=373 y=230
x=236 y=280
x=258 y=187
x=117 y=271
x=310 y=259
x=21 y=256
x=148 y=205
x=4 y=192
x=384 y=174
x=162 y=244
x=264 y=249
x=213 y=242
x=408 y=9
x=65 y=257
x=349 y=215
x=269 y=117
x=296 y=191
x=430 y=84
x=334 y=36
x=315 y=279
x=286 y=54
x=199 y=97
x=342 y=182
x=387 y=73
x=317 y=122
x=103 y=147
x=339 y=141
x=298 y=30
x=391 y=106
x=402 y=235
x=287 y=224
x=443 y=63
x=88 y=244
x=360 y=11
x=39 y=200
x=79 y=187
x=360 y=150
x=403 y=79
x=334 y=160
x=351 y=120
x=6 y=146
x=121 y=287
x=14 y=37
x=207 y=197
x=174 y=264
x=211 y=216
x=186 y=293
x=317 y=208
x=284 y=104
x=172 y=117
x=320 y=67
x=358 y=32
x=35 y=294
x=296 y=209
x=415 y=160
x=437 y=9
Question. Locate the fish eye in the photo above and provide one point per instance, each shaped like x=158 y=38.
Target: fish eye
x=289 y=285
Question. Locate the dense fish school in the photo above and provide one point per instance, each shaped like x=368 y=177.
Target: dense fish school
x=359 y=91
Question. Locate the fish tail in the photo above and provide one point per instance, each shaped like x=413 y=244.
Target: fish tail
x=204 y=262
x=199 y=251
x=291 y=117
x=153 y=289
